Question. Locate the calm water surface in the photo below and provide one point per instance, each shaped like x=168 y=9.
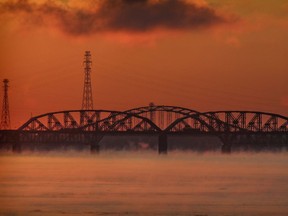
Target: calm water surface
x=144 y=184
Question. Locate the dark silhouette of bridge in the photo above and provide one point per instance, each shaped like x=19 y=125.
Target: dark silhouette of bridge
x=246 y=128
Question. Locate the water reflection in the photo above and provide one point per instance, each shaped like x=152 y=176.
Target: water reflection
x=119 y=183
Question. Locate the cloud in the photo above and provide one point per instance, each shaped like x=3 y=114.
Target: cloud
x=116 y=15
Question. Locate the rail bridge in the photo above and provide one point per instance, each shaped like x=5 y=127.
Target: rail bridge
x=90 y=126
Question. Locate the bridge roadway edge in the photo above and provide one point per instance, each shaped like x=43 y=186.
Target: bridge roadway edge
x=14 y=139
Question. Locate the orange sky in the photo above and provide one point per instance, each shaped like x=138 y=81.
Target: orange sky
x=234 y=57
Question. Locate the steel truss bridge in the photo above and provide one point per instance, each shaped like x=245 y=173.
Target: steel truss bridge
x=90 y=126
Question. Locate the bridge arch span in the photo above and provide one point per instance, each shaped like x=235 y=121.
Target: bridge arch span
x=164 y=118
x=200 y=122
x=253 y=121
x=65 y=120
x=123 y=122
x=162 y=115
x=81 y=126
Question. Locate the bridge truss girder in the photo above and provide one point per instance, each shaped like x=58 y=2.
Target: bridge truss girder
x=158 y=118
x=253 y=121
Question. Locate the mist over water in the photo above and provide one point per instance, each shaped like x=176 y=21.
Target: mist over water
x=144 y=183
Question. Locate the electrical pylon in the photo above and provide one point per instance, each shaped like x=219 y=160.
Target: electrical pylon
x=87 y=101
x=5 y=117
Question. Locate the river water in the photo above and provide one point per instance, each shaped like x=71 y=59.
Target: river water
x=135 y=183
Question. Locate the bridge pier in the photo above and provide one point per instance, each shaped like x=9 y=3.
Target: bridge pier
x=226 y=148
x=227 y=143
x=94 y=146
x=162 y=144
x=16 y=146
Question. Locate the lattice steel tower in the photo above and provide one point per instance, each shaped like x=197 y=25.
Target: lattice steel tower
x=87 y=101
x=5 y=117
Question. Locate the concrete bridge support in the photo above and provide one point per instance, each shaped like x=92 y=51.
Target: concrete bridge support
x=162 y=144
x=226 y=148
x=227 y=143
x=94 y=146
x=16 y=144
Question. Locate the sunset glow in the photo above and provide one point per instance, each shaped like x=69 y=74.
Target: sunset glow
x=204 y=55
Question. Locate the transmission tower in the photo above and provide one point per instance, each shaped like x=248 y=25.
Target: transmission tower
x=87 y=101
x=5 y=117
